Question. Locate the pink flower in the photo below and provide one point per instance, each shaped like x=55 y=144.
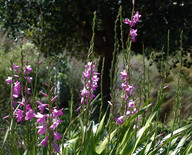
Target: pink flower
x=44 y=141
x=15 y=68
x=134 y=20
x=55 y=123
x=19 y=115
x=9 y=80
x=16 y=89
x=28 y=78
x=27 y=69
x=124 y=75
x=56 y=147
x=91 y=81
x=136 y=17
x=28 y=107
x=17 y=76
x=56 y=136
x=53 y=99
x=120 y=119
x=133 y=34
x=41 y=118
x=110 y=103
x=30 y=114
x=78 y=109
x=127 y=21
x=22 y=103
x=41 y=106
x=131 y=104
x=57 y=112
x=44 y=94
x=42 y=129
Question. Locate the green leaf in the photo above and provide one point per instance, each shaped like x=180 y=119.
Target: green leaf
x=100 y=129
x=148 y=147
x=102 y=145
x=149 y=120
x=181 y=143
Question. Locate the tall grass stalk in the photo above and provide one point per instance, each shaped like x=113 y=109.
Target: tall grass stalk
x=176 y=105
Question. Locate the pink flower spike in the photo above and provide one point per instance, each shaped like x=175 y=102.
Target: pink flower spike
x=56 y=136
x=44 y=141
x=9 y=80
x=56 y=147
x=30 y=114
x=15 y=68
x=42 y=129
x=41 y=106
x=44 y=94
x=53 y=99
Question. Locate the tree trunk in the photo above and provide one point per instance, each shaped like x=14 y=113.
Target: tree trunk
x=108 y=55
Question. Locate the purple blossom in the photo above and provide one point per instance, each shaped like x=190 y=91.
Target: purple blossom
x=16 y=76
x=44 y=94
x=42 y=129
x=56 y=147
x=127 y=21
x=41 y=118
x=56 y=136
x=16 y=89
x=131 y=104
x=57 y=112
x=110 y=103
x=44 y=141
x=9 y=80
x=15 y=68
x=22 y=103
x=134 y=20
x=41 y=106
x=53 y=99
x=30 y=114
x=55 y=123
x=119 y=120
x=124 y=75
x=28 y=107
x=133 y=34
x=136 y=17
x=91 y=81
x=27 y=69
x=28 y=78
x=14 y=104
x=78 y=109
x=19 y=115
